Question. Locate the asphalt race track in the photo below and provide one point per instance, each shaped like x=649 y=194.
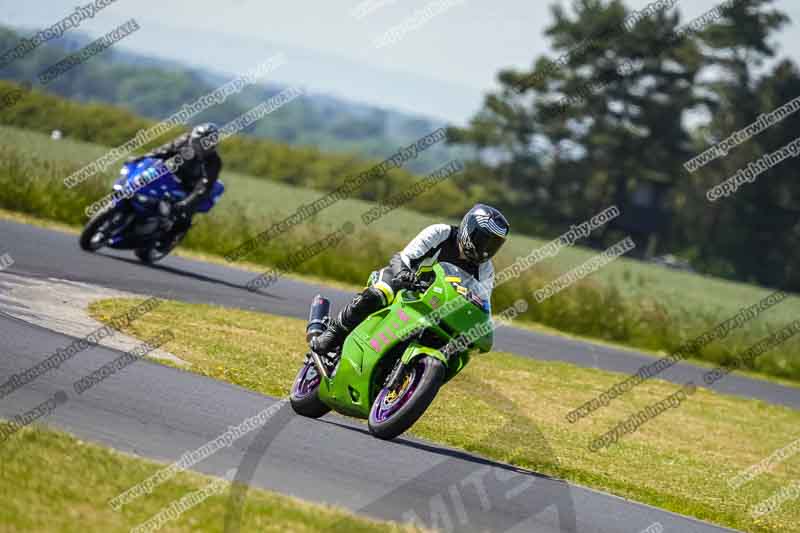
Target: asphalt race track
x=43 y=253
x=161 y=412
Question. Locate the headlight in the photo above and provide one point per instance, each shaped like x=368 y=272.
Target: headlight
x=124 y=170
x=144 y=199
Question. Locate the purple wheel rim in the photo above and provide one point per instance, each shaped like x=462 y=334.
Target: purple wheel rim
x=385 y=409
x=307 y=381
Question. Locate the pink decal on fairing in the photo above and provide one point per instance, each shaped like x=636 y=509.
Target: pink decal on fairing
x=376 y=343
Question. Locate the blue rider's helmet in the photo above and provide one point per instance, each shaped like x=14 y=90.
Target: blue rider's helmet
x=204 y=138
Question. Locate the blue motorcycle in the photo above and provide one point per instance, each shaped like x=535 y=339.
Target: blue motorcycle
x=138 y=214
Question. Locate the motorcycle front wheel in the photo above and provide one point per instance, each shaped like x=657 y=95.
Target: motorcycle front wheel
x=397 y=409
x=100 y=228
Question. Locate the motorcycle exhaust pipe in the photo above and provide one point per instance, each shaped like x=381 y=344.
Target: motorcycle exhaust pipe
x=318 y=317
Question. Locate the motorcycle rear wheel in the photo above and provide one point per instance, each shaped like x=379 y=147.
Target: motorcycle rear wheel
x=394 y=411
x=304 y=396
x=152 y=254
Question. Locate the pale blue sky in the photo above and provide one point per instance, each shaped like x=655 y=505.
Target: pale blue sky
x=440 y=69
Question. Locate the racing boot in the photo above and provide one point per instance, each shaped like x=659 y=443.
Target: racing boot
x=330 y=340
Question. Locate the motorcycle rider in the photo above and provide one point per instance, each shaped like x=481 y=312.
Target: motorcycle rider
x=198 y=170
x=470 y=246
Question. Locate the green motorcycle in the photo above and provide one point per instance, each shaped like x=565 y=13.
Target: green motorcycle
x=393 y=363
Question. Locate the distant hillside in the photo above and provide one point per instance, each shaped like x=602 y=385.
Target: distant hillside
x=108 y=125
x=156 y=88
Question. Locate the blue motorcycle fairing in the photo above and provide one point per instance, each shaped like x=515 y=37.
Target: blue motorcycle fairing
x=145 y=184
x=152 y=179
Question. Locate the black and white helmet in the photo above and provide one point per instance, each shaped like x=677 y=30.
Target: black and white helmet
x=482 y=232
x=204 y=138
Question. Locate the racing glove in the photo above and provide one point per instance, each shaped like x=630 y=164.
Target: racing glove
x=404 y=279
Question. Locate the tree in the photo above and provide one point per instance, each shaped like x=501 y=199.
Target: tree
x=616 y=112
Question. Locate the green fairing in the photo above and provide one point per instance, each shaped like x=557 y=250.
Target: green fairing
x=370 y=351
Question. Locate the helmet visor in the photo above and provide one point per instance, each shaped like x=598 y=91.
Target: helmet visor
x=486 y=243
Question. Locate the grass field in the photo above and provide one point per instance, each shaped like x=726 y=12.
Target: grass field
x=47 y=487
x=627 y=302
x=513 y=409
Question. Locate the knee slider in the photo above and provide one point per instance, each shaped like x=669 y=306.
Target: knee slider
x=374 y=298
x=385 y=291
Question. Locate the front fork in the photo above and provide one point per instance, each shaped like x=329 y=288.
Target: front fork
x=124 y=212
x=412 y=352
x=393 y=380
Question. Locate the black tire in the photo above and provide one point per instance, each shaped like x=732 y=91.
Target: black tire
x=308 y=405
x=433 y=373
x=148 y=256
x=87 y=241
x=152 y=254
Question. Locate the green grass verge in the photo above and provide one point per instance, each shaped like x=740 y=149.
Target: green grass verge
x=680 y=461
x=627 y=302
x=530 y=326
x=53 y=482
